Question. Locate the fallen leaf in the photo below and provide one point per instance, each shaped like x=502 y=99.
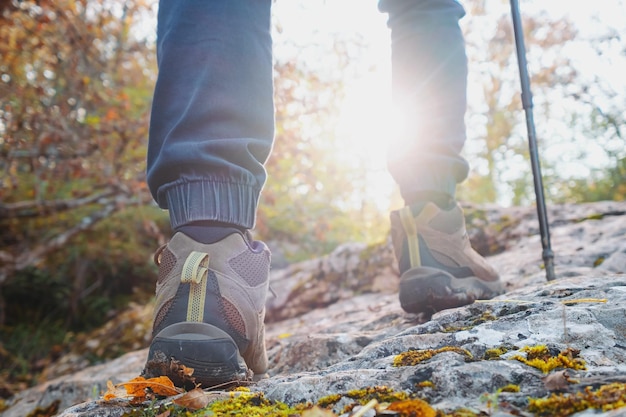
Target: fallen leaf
x=161 y=385
x=556 y=381
x=140 y=388
x=113 y=392
x=193 y=400
x=186 y=371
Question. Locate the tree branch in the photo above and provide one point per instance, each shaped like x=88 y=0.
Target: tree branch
x=33 y=256
x=33 y=208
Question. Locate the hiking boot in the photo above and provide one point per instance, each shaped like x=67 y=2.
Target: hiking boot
x=209 y=313
x=438 y=267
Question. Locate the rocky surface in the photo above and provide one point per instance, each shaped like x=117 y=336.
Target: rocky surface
x=335 y=325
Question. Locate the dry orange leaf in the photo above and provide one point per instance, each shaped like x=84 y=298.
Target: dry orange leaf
x=186 y=371
x=136 y=388
x=193 y=400
x=113 y=392
x=161 y=385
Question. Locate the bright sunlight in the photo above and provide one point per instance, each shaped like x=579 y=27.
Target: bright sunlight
x=365 y=114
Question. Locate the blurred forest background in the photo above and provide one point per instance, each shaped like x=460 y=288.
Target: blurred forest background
x=77 y=223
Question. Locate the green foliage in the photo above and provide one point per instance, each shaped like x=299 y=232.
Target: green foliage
x=75 y=91
x=95 y=275
x=96 y=272
x=27 y=347
x=578 y=117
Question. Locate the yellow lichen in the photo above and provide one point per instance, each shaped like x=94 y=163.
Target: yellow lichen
x=413 y=357
x=426 y=384
x=607 y=397
x=540 y=357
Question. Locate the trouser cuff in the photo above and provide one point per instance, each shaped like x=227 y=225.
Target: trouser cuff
x=225 y=202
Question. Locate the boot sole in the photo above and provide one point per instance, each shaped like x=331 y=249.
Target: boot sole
x=428 y=290
x=209 y=351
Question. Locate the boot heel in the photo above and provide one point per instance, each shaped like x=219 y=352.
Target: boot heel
x=210 y=351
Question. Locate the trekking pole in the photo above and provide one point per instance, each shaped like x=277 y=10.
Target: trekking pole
x=527 y=102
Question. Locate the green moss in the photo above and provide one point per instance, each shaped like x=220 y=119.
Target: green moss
x=329 y=400
x=494 y=353
x=239 y=404
x=381 y=393
x=413 y=357
x=253 y=405
x=414 y=407
x=596 y=216
x=483 y=318
x=540 y=357
x=454 y=329
x=509 y=388
x=607 y=397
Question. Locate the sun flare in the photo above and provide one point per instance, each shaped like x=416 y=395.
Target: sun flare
x=366 y=128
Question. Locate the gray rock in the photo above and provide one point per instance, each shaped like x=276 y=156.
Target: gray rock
x=85 y=386
x=528 y=316
x=336 y=324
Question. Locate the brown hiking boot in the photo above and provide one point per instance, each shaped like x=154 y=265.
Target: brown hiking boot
x=209 y=313
x=438 y=267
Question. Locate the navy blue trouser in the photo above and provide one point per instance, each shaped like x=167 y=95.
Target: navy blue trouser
x=212 y=123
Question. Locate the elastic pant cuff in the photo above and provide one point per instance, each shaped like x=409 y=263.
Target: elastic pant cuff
x=224 y=202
